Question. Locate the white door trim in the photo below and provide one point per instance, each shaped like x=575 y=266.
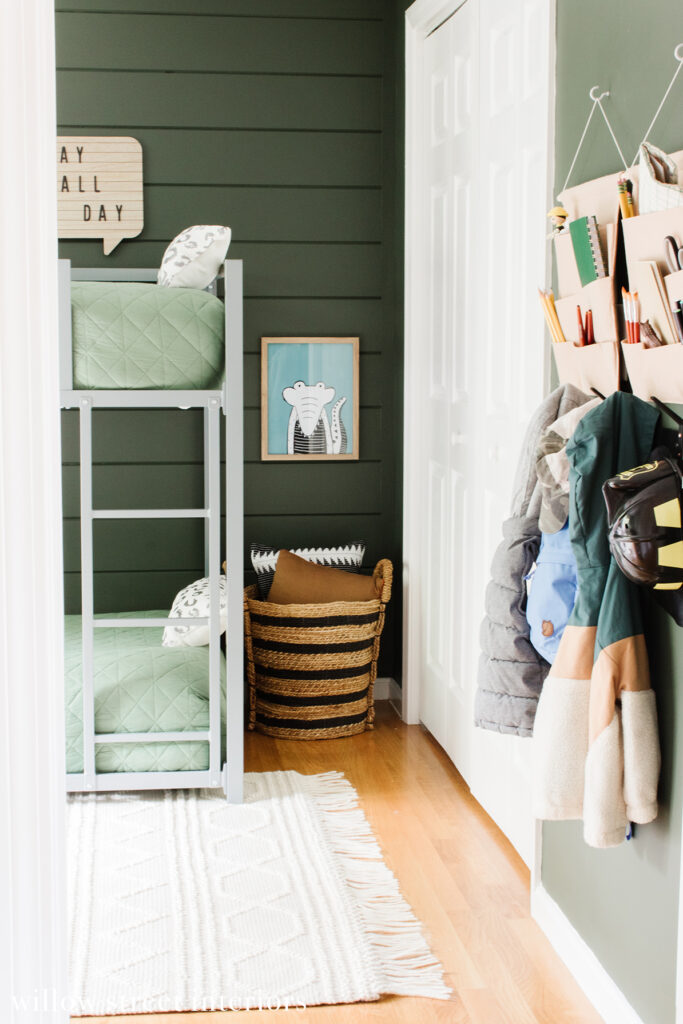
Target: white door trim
x=33 y=934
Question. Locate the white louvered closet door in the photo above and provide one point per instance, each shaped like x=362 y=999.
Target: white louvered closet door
x=486 y=98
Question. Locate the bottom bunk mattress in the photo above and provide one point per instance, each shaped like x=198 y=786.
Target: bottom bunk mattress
x=139 y=686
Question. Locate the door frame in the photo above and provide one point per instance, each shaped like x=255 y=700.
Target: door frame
x=33 y=932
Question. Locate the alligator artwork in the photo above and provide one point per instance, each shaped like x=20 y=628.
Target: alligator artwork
x=309 y=432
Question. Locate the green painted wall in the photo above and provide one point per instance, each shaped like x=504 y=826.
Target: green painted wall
x=624 y=902
x=276 y=117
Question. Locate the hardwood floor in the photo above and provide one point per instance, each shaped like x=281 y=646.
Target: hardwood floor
x=456 y=869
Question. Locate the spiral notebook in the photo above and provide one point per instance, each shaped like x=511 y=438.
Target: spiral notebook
x=590 y=261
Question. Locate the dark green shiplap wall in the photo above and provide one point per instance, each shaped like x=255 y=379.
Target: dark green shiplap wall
x=624 y=901
x=276 y=117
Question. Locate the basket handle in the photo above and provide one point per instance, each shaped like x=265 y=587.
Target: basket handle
x=383 y=575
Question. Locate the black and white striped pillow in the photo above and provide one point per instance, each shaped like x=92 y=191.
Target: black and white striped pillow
x=343 y=556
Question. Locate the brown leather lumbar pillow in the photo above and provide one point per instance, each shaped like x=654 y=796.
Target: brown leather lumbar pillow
x=297 y=581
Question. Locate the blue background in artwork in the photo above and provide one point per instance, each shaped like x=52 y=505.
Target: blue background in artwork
x=330 y=363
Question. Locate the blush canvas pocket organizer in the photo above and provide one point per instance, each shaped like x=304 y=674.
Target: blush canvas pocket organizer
x=592 y=366
x=655 y=372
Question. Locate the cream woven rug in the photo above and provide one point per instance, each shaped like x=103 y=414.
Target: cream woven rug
x=180 y=901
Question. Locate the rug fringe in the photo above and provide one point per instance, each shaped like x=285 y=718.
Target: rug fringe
x=408 y=965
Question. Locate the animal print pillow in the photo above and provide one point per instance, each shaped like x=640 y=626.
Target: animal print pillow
x=192 y=602
x=264 y=560
x=194 y=257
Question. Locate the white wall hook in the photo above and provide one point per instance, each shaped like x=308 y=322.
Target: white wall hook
x=678 y=54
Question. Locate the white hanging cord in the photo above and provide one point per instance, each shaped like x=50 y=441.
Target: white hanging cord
x=678 y=54
x=597 y=102
x=611 y=131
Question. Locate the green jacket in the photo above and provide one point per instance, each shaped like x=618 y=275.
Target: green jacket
x=596 y=735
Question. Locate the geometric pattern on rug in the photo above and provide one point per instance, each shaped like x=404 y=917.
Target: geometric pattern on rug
x=179 y=901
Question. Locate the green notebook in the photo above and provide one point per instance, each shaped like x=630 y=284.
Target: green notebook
x=587 y=250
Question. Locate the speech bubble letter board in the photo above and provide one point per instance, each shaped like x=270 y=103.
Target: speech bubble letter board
x=99 y=188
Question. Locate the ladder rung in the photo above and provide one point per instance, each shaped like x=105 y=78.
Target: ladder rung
x=150 y=513
x=152 y=737
x=132 y=622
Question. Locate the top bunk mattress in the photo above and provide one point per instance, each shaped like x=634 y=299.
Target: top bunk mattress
x=127 y=335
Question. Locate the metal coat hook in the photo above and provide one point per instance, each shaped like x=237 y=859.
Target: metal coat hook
x=678 y=57
x=596 y=98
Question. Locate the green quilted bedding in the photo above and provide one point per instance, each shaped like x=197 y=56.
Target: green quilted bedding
x=143 y=336
x=140 y=686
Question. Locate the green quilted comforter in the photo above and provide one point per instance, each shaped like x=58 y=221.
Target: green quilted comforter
x=143 y=336
x=139 y=686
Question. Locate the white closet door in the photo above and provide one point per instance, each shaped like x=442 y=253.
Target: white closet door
x=449 y=141
x=486 y=90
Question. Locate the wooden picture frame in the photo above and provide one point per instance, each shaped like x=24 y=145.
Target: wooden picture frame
x=301 y=421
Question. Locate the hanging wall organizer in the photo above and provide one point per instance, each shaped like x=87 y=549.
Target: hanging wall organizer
x=652 y=371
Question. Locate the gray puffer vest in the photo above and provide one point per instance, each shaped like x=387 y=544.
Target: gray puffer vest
x=511 y=672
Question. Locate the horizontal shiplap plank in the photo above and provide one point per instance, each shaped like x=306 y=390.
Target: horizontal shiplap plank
x=185 y=43
x=319 y=9
x=310 y=317
x=129 y=591
x=168 y=546
x=123 y=100
x=296 y=488
x=117 y=486
x=270 y=269
x=141 y=546
x=172 y=436
x=266 y=214
x=286 y=488
x=137 y=435
x=200 y=157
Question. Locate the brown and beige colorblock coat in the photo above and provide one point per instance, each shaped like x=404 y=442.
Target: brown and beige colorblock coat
x=595 y=735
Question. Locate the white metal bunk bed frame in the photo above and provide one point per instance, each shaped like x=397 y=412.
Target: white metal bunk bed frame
x=229 y=399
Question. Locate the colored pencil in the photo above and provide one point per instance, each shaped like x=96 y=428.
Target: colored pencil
x=582 y=333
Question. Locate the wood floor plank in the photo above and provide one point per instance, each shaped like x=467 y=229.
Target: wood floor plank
x=456 y=869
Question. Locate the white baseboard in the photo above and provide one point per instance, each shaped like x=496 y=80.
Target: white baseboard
x=579 y=958
x=387 y=688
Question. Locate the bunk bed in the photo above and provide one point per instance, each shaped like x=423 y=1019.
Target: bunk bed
x=140 y=716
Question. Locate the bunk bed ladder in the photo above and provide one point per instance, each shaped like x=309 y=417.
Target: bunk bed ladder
x=230 y=402
x=211 y=513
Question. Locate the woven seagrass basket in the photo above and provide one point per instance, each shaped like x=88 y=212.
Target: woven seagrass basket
x=311 y=668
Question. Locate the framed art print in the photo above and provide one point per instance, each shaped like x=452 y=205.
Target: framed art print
x=309 y=399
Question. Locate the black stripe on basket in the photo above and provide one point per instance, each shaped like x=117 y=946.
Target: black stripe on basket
x=313 y=674
x=312 y=701
x=329 y=620
x=316 y=723
x=309 y=648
